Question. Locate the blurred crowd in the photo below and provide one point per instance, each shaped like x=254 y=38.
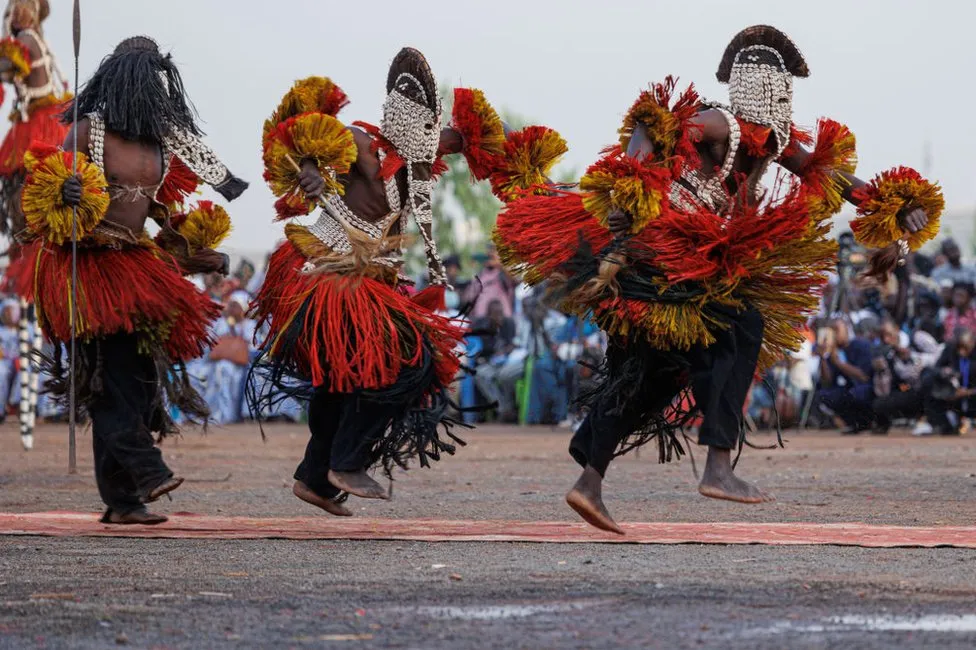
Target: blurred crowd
x=875 y=355
x=883 y=355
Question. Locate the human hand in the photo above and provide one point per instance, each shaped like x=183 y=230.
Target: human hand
x=619 y=222
x=913 y=219
x=71 y=191
x=311 y=181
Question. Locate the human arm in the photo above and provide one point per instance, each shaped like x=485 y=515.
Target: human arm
x=911 y=219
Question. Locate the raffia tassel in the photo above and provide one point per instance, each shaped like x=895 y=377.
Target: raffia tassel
x=885 y=260
x=604 y=285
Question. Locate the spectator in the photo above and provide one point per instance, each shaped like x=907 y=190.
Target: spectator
x=961 y=315
x=898 y=380
x=845 y=377
x=495 y=375
x=490 y=284
x=452 y=297
x=953 y=271
x=927 y=319
x=9 y=353
x=953 y=387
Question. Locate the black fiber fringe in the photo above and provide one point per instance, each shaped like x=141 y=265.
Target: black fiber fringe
x=173 y=387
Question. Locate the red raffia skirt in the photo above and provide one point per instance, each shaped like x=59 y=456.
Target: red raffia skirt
x=349 y=332
x=361 y=337
x=43 y=126
x=135 y=290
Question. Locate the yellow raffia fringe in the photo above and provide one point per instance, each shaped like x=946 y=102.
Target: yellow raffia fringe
x=315 y=136
x=305 y=96
x=16 y=52
x=528 y=162
x=835 y=153
x=662 y=127
x=887 y=195
x=605 y=192
x=206 y=226
x=46 y=213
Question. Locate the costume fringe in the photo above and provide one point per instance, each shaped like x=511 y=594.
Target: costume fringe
x=835 y=153
x=620 y=182
x=669 y=127
x=527 y=159
x=311 y=136
x=536 y=235
x=481 y=131
x=882 y=200
x=346 y=331
x=309 y=95
x=179 y=184
x=43 y=127
x=205 y=226
x=135 y=289
x=174 y=388
x=18 y=55
x=44 y=209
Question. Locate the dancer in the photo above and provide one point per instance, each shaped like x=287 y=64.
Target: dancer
x=373 y=365
x=27 y=63
x=696 y=271
x=138 y=319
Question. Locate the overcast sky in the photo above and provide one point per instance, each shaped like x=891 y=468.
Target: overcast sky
x=898 y=72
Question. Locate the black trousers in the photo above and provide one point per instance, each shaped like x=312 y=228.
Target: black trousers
x=344 y=429
x=898 y=404
x=720 y=377
x=128 y=464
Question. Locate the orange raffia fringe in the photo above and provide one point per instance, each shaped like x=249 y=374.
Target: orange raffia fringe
x=885 y=197
x=311 y=136
x=310 y=95
x=154 y=300
x=46 y=213
x=668 y=127
x=355 y=332
x=528 y=158
x=205 y=226
x=179 y=184
x=19 y=56
x=535 y=235
x=481 y=131
x=620 y=182
x=835 y=152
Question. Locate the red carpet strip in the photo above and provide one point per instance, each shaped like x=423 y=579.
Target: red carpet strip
x=191 y=526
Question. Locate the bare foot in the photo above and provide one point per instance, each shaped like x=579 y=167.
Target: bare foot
x=358 y=483
x=586 y=498
x=165 y=487
x=141 y=517
x=304 y=493
x=719 y=481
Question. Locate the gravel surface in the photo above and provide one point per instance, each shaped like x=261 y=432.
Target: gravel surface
x=95 y=593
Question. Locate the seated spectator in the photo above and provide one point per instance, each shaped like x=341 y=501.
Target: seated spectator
x=951 y=392
x=897 y=380
x=953 y=270
x=845 y=377
x=228 y=361
x=961 y=315
x=495 y=377
x=490 y=284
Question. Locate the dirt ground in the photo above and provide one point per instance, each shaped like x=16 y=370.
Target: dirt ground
x=89 y=593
